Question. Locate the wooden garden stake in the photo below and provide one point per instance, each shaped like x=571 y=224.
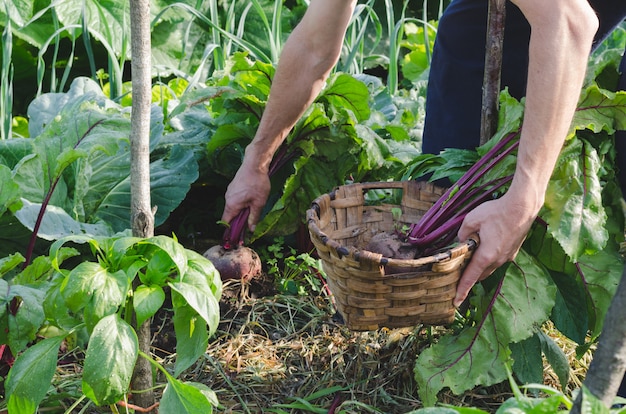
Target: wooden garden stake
x=608 y=366
x=493 y=69
x=142 y=217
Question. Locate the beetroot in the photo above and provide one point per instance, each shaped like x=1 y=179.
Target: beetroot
x=239 y=262
x=232 y=259
x=390 y=245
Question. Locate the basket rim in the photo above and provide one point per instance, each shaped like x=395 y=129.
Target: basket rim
x=313 y=215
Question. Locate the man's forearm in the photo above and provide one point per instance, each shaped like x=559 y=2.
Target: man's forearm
x=309 y=55
x=558 y=52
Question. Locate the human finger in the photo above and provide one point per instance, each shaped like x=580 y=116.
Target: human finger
x=476 y=270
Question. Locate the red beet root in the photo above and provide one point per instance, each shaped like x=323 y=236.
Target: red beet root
x=237 y=263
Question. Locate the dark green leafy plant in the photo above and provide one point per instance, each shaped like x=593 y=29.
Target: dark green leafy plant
x=566 y=271
x=95 y=299
x=553 y=401
x=334 y=135
x=73 y=174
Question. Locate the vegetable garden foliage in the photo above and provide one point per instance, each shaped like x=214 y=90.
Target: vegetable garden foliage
x=92 y=304
x=353 y=131
x=68 y=184
x=568 y=267
x=337 y=135
x=75 y=168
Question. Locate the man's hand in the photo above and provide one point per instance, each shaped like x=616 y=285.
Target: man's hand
x=502 y=226
x=249 y=188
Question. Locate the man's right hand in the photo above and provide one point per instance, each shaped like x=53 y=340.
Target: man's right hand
x=249 y=188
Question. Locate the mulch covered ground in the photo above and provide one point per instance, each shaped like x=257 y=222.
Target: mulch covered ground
x=290 y=354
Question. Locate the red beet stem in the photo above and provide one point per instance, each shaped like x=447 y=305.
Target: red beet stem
x=236 y=230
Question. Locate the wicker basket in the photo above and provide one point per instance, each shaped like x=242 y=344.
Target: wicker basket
x=372 y=291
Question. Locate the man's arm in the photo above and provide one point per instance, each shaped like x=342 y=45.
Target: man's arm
x=561 y=35
x=308 y=56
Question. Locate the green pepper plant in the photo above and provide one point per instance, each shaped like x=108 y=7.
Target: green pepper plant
x=101 y=290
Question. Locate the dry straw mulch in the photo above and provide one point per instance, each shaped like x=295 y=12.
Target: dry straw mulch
x=276 y=353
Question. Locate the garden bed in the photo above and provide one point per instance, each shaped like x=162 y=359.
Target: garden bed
x=279 y=353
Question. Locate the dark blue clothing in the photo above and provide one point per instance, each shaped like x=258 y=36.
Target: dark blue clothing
x=453 y=104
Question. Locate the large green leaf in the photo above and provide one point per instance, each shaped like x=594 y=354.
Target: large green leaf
x=94 y=289
x=171 y=178
x=317 y=142
x=573 y=206
x=200 y=266
x=344 y=91
x=110 y=360
x=174 y=250
x=528 y=365
x=80 y=163
x=15 y=149
x=44 y=109
x=475 y=357
x=601 y=273
x=57 y=223
x=600 y=110
x=191 y=337
x=555 y=356
x=569 y=317
x=147 y=300
x=30 y=376
x=55 y=307
x=21 y=315
x=21 y=12
x=194 y=292
x=108 y=21
x=186 y=398
x=585 y=288
x=512 y=312
x=526 y=299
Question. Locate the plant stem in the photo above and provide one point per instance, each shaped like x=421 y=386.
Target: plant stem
x=236 y=230
x=463 y=196
x=440 y=224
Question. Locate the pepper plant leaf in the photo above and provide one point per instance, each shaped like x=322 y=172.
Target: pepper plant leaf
x=186 y=398
x=110 y=360
x=191 y=337
x=95 y=290
x=147 y=300
x=30 y=376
